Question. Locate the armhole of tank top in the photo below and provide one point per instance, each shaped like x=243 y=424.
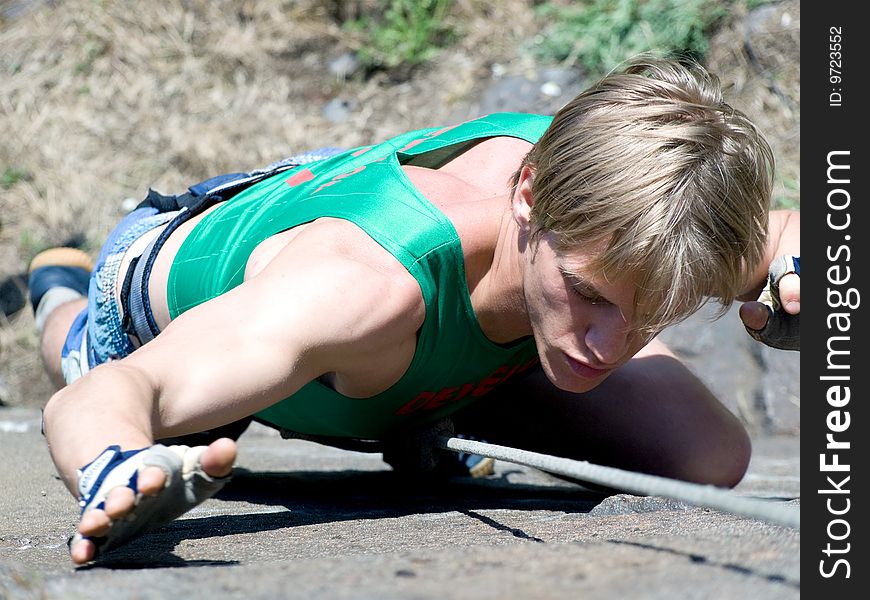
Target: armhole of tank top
x=438 y=157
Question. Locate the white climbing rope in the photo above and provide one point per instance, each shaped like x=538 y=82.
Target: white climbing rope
x=638 y=483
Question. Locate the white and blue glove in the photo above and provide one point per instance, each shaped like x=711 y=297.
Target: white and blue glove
x=782 y=329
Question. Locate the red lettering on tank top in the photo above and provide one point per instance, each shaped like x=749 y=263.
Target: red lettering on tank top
x=428 y=136
x=532 y=363
x=429 y=400
x=441 y=398
x=300 y=176
x=361 y=151
x=411 y=144
x=490 y=382
x=416 y=403
x=464 y=391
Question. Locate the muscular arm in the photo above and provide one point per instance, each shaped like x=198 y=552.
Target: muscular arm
x=296 y=319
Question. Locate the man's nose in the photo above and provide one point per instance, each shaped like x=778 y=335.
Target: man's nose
x=608 y=337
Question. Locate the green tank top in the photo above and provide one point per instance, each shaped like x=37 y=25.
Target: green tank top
x=454 y=363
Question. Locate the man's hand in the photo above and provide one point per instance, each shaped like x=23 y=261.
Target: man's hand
x=775 y=318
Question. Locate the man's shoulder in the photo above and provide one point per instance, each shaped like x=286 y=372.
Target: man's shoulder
x=339 y=264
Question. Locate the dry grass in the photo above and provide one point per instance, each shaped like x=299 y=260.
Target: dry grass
x=100 y=99
x=767 y=85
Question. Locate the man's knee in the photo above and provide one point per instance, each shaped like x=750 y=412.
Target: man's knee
x=718 y=458
x=705 y=442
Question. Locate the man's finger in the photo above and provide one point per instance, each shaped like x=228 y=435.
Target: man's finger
x=754 y=315
x=790 y=293
x=781 y=300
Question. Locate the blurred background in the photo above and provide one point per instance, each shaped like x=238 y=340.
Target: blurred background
x=101 y=99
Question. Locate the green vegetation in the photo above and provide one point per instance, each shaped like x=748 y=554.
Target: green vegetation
x=92 y=50
x=600 y=34
x=30 y=243
x=406 y=33
x=787 y=194
x=11 y=176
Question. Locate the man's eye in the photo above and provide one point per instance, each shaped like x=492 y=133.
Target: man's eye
x=588 y=298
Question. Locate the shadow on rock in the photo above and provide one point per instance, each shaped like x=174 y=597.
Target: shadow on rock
x=318 y=497
x=327 y=497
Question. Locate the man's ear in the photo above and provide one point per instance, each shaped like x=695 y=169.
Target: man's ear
x=523 y=199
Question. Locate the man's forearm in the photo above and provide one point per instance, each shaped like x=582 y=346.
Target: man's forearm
x=113 y=404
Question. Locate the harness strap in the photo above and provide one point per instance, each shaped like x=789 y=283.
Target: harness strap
x=138 y=317
x=139 y=305
x=167 y=203
x=126 y=320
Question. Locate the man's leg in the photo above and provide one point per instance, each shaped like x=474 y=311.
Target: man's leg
x=58 y=287
x=57 y=325
x=653 y=415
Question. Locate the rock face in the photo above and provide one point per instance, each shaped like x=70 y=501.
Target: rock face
x=759 y=384
x=339 y=525
x=545 y=91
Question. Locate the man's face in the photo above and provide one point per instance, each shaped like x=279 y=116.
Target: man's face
x=580 y=319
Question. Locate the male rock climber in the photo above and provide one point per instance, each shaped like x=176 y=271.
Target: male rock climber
x=512 y=271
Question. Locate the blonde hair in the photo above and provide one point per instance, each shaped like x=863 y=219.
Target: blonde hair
x=652 y=161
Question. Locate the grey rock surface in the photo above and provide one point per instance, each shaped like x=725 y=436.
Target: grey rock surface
x=543 y=91
x=301 y=520
x=759 y=384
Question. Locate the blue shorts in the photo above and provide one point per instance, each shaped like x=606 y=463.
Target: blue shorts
x=97 y=334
